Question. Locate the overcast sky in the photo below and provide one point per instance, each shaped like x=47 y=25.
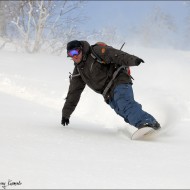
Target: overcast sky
x=123 y=13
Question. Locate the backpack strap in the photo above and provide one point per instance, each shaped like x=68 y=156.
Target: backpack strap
x=95 y=56
x=113 y=78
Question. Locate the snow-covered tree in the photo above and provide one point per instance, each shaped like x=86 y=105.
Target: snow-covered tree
x=2 y=20
x=44 y=24
x=108 y=34
x=3 y=25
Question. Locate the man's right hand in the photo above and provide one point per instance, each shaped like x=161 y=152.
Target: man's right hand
x=64 y=121
x=138 y=61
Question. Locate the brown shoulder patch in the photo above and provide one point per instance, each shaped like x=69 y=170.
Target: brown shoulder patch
x=103 y=50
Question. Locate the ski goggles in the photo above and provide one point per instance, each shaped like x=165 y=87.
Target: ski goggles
x=73 y=52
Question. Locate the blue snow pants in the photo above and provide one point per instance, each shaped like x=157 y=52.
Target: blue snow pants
x=124 y=105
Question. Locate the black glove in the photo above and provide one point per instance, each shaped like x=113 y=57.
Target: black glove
x=64 y=121
x=138 y=61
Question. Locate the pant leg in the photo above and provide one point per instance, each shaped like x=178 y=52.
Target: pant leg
x=124 y=105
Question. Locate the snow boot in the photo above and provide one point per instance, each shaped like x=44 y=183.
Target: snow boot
x=155 y=125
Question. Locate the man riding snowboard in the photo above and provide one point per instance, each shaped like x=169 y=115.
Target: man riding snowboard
x=106 y=71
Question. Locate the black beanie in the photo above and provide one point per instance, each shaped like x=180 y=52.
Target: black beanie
x=73 y=45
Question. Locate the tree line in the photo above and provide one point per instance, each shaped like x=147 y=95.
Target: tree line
x=39 y=24
x=48 y=25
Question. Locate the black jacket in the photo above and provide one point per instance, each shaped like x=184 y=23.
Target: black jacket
x=97 y=75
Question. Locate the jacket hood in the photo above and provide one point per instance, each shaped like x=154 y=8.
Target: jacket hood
x=85 y=46
x=85 y=49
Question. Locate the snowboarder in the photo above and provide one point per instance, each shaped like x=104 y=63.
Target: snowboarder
x=105 y=70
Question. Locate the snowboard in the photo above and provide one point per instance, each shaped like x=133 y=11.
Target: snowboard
x=142 y=133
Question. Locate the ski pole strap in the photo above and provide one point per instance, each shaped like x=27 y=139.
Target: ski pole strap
x=113 y=78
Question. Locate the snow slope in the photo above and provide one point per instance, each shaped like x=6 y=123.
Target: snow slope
x=95 y=150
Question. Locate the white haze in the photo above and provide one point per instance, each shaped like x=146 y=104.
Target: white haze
x=95 y=150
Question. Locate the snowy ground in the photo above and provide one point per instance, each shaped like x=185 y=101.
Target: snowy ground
x=95 y=150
